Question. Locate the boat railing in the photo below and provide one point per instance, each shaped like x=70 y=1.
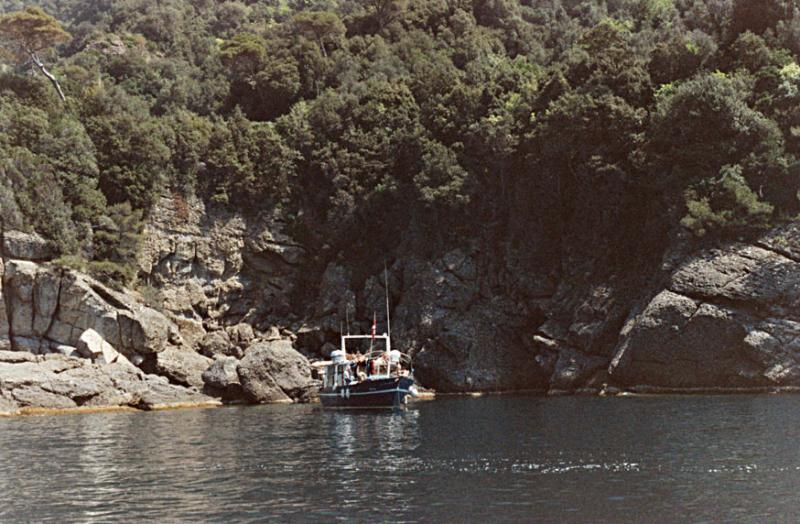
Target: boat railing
x=382 y=363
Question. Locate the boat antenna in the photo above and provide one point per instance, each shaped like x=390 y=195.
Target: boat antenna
x=347 y=316
x=388 y=320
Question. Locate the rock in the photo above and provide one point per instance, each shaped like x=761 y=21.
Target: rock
x=26 y=246
x=222 y=378
x=273 y=333
x=58 y=382
x=18 y=284
x=310 y=340
x=219 y=343
x=335 y=296
x=8 y=407
x=727 y=318
x=34 y=396
x=192 y=331
x=31 y=345
x=182 y=365
x=144 y=330
x=15 y=357
x=275 y=372
x=679 y=343
x=573 y=369
x=91 y=345
x=463 y=342
x=762 y=278
x=241 y=334
x=59 y=306
x=242 y=267
x=5 y=341
x=327 y=349
x=68 y=351
x=169 y=396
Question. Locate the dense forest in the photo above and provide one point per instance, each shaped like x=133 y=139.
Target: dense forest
x=553 y=128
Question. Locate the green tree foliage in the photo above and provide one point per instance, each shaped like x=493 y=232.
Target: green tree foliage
x=264 y=83
x=116 y=243
x=704 y=124
x=725 y=203
x=323 y=27
x=558 y=129
x=26 y=35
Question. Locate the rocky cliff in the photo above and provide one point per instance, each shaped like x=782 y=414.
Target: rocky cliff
x=68 y=341
x=234 y=318
x=714 y=318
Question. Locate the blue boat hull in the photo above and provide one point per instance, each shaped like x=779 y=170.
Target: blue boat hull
x=381 y=393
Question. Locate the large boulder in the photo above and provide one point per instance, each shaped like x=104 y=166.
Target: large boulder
x=222 y=378
x=92 y=345
x=219 y=343
x=274 y=372
x=58 y=306
x=182 y=365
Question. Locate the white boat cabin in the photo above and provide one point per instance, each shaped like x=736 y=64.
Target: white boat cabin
x=346 y=368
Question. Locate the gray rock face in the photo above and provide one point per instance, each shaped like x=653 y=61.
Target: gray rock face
x=59 y=382
x=182 y=366
x=219 y=343
x=26 y=246
x=5 y=341
x=274 y=372
x=218 y=267
x=222 y=378
x=574 y=369
x=57 y=306
x=463 y=340
x=335 y=295
x=728 y=318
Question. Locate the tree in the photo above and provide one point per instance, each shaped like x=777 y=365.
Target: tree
x=683 y=149
x=759 y=15
x=117 y=239
x=26 y=35
x=724 y=203
x=386 y=11
x=321 y=27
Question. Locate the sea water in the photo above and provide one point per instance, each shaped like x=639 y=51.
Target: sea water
x=489 y=459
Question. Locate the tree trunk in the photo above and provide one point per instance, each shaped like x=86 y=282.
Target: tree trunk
x=48 y=74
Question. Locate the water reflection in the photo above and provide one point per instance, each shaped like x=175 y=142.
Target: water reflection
x=466 y=460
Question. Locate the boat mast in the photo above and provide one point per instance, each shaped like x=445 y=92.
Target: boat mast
x=388 y=319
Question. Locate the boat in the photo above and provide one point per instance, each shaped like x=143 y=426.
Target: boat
x=380 y=378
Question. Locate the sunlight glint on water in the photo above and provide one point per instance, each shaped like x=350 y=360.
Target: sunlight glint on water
x=490 y=459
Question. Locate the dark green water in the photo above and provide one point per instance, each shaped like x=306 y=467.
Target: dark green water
x=493 y=459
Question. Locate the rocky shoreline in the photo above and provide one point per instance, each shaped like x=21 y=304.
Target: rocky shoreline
x=227 y=325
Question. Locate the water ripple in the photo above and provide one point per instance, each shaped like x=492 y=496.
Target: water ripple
x=465 y=460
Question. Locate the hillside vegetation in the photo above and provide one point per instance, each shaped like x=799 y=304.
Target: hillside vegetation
x=558 y=131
